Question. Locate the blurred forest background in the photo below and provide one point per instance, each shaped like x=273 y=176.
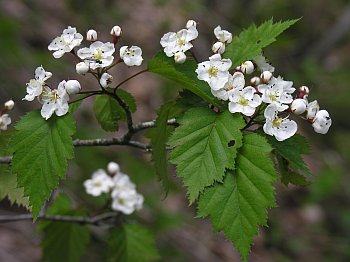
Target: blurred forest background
x=311 y=223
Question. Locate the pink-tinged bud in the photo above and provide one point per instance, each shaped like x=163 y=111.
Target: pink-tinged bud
x=303 y=92
x=255 y=81
x=265 y=76
x=91 y=35
x=72 y=87
x=247 y=67
x=116 y=31
x=298 y=106
x=9 y=105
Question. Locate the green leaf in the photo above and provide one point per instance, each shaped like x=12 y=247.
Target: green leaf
x=40 y=151
x=183 y=74
x=201 y=147
x=8 y=188
x=63 y=241
x=238 y=205
x=288 y=176
x=132 y=243
x=108 y=111
x=251 y=41
x=292 y=150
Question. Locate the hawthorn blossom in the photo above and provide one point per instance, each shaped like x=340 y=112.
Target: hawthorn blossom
x=278 y=92
x=113 y=168
x=280 y=128
x=214 y=72
x=126 y=201
x=54 y=101
x=244 y=101
x=322 y=122
x=99 y=183
x=72 y=87
x=262 y=64
x=234 y=82
x=222 y=35
x=36 y=86
x=247 y=67
x=298 y=106
x=178 y=42
x=312 y=109
x=9 y=104
x=98 y=55
x=66 y=42
x=132 y=56
x=5 y=120
x=82 y=68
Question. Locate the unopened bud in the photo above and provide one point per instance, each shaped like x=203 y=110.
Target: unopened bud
x=9 y=104
x=116 y=31
x=266 y=76
x=298 y=106
x=106 y=80
x=82 y=68
x=72 y=87
x=255 y=81
x=218 y=48
x=191 y=23
x=247 y=67
x=303 y=92
x=180 y=57
x=113 y=168
x=91 y=35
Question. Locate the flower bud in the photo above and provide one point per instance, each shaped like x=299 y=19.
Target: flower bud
x=116 y=31
x=218 y=48
x=247 y=67
x=91 y=35
x=255 y=81
x=180 y=57
x=106 y=80
x=322 y=122
x=9 y=104
x=222 y=35
x=298 y=106
x=191 y=23
x=265 y=76
x=113 y=168
x=72 y=87
x=82 y=68
x=303 y=92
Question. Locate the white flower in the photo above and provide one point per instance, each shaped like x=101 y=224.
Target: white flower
x=244 y=101
x=322 y=122
x=91 y=35
x=222 y=35
x=131 y=56
x=66 y=42
x=254 y=81
x=298 y=106
x=126 y=201
x=214 y=72
x=98 y=55
x=122 y=182
x=116 y=31
x=191 y=23
x=113 y=168
x=72 y=87
x=266 y=76
x=281 y=128
x=35 y=86
x=277 y=91
x=99 y=183
x=178 y=42
x=247 y=67
x=180 y=58
x=5 y=120
x=218 y=48
x=106 y=80
x=82 y=68
x=262 y=64
x=54 y=101
x=312 y=109
x=9 y=104
x=235 y=82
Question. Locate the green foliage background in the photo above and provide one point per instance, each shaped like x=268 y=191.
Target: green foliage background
x=309 y=222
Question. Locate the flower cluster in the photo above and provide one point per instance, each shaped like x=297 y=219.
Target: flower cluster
x=265 y=92
x=176 y=44
x=52 y=100
x=123 y=191
x=5 y=119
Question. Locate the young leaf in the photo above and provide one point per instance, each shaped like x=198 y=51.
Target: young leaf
x=251 y=41
x=201 y=147
x=108 y=111
x=40 y=150
x=132 y=243
x=238 y=205
x=183 y=74
x=292 y=150
x=63 y=241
